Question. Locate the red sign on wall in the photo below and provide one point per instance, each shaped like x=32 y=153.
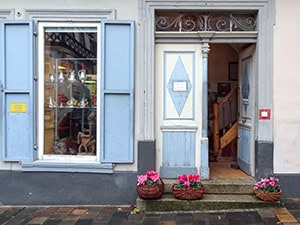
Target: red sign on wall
x=264 y=114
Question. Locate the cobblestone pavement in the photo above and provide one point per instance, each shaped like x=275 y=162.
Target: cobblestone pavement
x=113 y=215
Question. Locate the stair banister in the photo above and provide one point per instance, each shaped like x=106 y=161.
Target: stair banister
x=221 y=106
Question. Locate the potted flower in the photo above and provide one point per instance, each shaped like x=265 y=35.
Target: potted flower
x=150 y=185
x=188 y=187
x=268 y=189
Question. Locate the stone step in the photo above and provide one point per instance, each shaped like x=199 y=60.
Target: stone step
x=219 y=194
x=209 y=202
x=223 y=186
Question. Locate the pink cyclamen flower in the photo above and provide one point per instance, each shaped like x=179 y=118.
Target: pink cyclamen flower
x=151 y=173
x=142 y=179
x=186 y=183
x=196 y=178
x=184 y=177
x=267 y=184
x=272 y=184
x=181 y=179
x=154 y=178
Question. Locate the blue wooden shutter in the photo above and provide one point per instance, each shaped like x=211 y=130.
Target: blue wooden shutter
x=16 y=76
x=117 y=91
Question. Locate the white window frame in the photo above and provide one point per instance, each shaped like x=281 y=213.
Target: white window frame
x=41 y=94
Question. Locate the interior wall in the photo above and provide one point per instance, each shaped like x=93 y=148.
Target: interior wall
x=218 y=59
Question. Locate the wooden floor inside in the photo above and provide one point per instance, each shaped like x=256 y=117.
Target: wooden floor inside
x=224 y=170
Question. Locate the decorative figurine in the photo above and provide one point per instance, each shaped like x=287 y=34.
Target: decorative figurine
x=61 y=77
x=82 y=103
x=72 y=76
x=59 y=147
x=85 y=141
x=81 y=75
x=71 y=104
x=51 y=78
x=51 y=102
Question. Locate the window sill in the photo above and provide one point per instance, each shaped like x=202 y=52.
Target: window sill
x=50 y=166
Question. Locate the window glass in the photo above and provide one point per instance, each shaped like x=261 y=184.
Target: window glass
x=70 y=84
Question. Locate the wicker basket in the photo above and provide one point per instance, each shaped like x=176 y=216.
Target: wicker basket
x=150 y=192
x=188 y=193
x=268 y=196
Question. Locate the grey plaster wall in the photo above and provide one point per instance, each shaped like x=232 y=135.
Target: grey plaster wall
x=24 y=188
x=263 y=159
x=289 y=184
x=46 y=188
x=146 y=156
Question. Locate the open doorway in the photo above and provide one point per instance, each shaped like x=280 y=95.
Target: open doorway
x=223 y=109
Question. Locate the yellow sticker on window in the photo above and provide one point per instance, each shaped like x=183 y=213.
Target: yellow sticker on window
x=17 y=107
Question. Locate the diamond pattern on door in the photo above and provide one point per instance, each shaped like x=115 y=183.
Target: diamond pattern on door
x=179 y=86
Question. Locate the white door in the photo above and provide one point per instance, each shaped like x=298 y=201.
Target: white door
x=178 y=102
x=246 y=118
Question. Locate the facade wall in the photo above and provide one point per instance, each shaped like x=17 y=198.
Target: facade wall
x=282 y=81
x=286 y=87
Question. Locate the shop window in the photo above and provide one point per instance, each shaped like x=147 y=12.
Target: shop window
x=70 y=83
x=67 y=129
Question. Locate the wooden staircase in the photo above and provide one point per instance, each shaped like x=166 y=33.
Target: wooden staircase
x=225 y=126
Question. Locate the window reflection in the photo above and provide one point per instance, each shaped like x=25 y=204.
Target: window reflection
x=70 y=90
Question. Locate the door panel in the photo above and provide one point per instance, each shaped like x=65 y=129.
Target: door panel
x=245 y=158
x=178 y=105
